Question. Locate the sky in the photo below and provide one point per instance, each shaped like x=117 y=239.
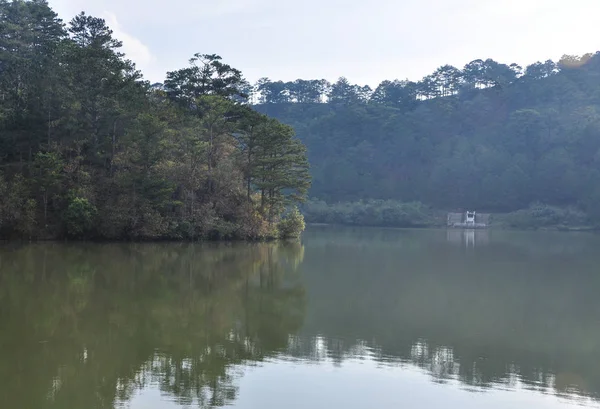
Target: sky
x=367 y=41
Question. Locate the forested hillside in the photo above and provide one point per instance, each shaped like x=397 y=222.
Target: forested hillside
x=88 y=149
x=491 y=136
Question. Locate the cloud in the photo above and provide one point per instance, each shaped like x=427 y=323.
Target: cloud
x=133 y=47
x=364 y=41
x=175 y=13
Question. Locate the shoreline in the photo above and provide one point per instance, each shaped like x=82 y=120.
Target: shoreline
x=557 y=228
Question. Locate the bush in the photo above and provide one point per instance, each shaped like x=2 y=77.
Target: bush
x=79 y=217
x=539 y=215
x=223 y=230
x=17 y=210
x=292 y=225
x=254 y=226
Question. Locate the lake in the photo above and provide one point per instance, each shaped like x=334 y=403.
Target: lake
x=347 y=318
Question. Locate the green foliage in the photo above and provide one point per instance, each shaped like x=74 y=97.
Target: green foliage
x=79 y=217
x=144 y=162
x=539 y=216
x=491 y=137
x=279 y=168
x=191 y=159
x=292 y=225
x=369 y=213
x=206 y=75
x=17 y=210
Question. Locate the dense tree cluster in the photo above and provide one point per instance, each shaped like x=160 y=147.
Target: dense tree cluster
x=491 y=137
x=90 y=149
x=447 y=80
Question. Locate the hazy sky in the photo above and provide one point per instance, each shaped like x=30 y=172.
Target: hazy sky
x=365 y=40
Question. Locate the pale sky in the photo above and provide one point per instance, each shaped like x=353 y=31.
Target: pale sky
x=366 y=41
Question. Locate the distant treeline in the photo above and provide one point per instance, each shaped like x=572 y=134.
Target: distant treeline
x=492 y=138
x=447 y=80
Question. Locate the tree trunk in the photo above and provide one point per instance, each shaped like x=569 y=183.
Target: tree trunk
x=249 y=182
x=210 y=160
x=48 y=128
x=114 y=142
x=45 y=200
x=249 y=171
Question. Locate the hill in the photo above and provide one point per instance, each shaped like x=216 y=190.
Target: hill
x=484 y=141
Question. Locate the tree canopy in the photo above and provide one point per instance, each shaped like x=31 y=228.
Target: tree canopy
x=88 y=149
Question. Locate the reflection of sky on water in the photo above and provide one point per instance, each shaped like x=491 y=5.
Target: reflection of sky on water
x=365 y=379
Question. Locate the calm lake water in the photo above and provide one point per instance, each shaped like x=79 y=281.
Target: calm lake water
x=348 y=318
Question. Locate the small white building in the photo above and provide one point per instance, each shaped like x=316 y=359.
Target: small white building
x=469 y=220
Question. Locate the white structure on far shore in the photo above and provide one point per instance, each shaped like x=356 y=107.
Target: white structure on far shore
x=469 y=220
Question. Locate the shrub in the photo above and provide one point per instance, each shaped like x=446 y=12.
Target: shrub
x=79 y=217
x=292 y=225
x=17 y=210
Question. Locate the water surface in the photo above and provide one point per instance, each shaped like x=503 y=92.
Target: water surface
x=348 y=318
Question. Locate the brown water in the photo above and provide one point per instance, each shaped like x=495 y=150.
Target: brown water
x=348 y=318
